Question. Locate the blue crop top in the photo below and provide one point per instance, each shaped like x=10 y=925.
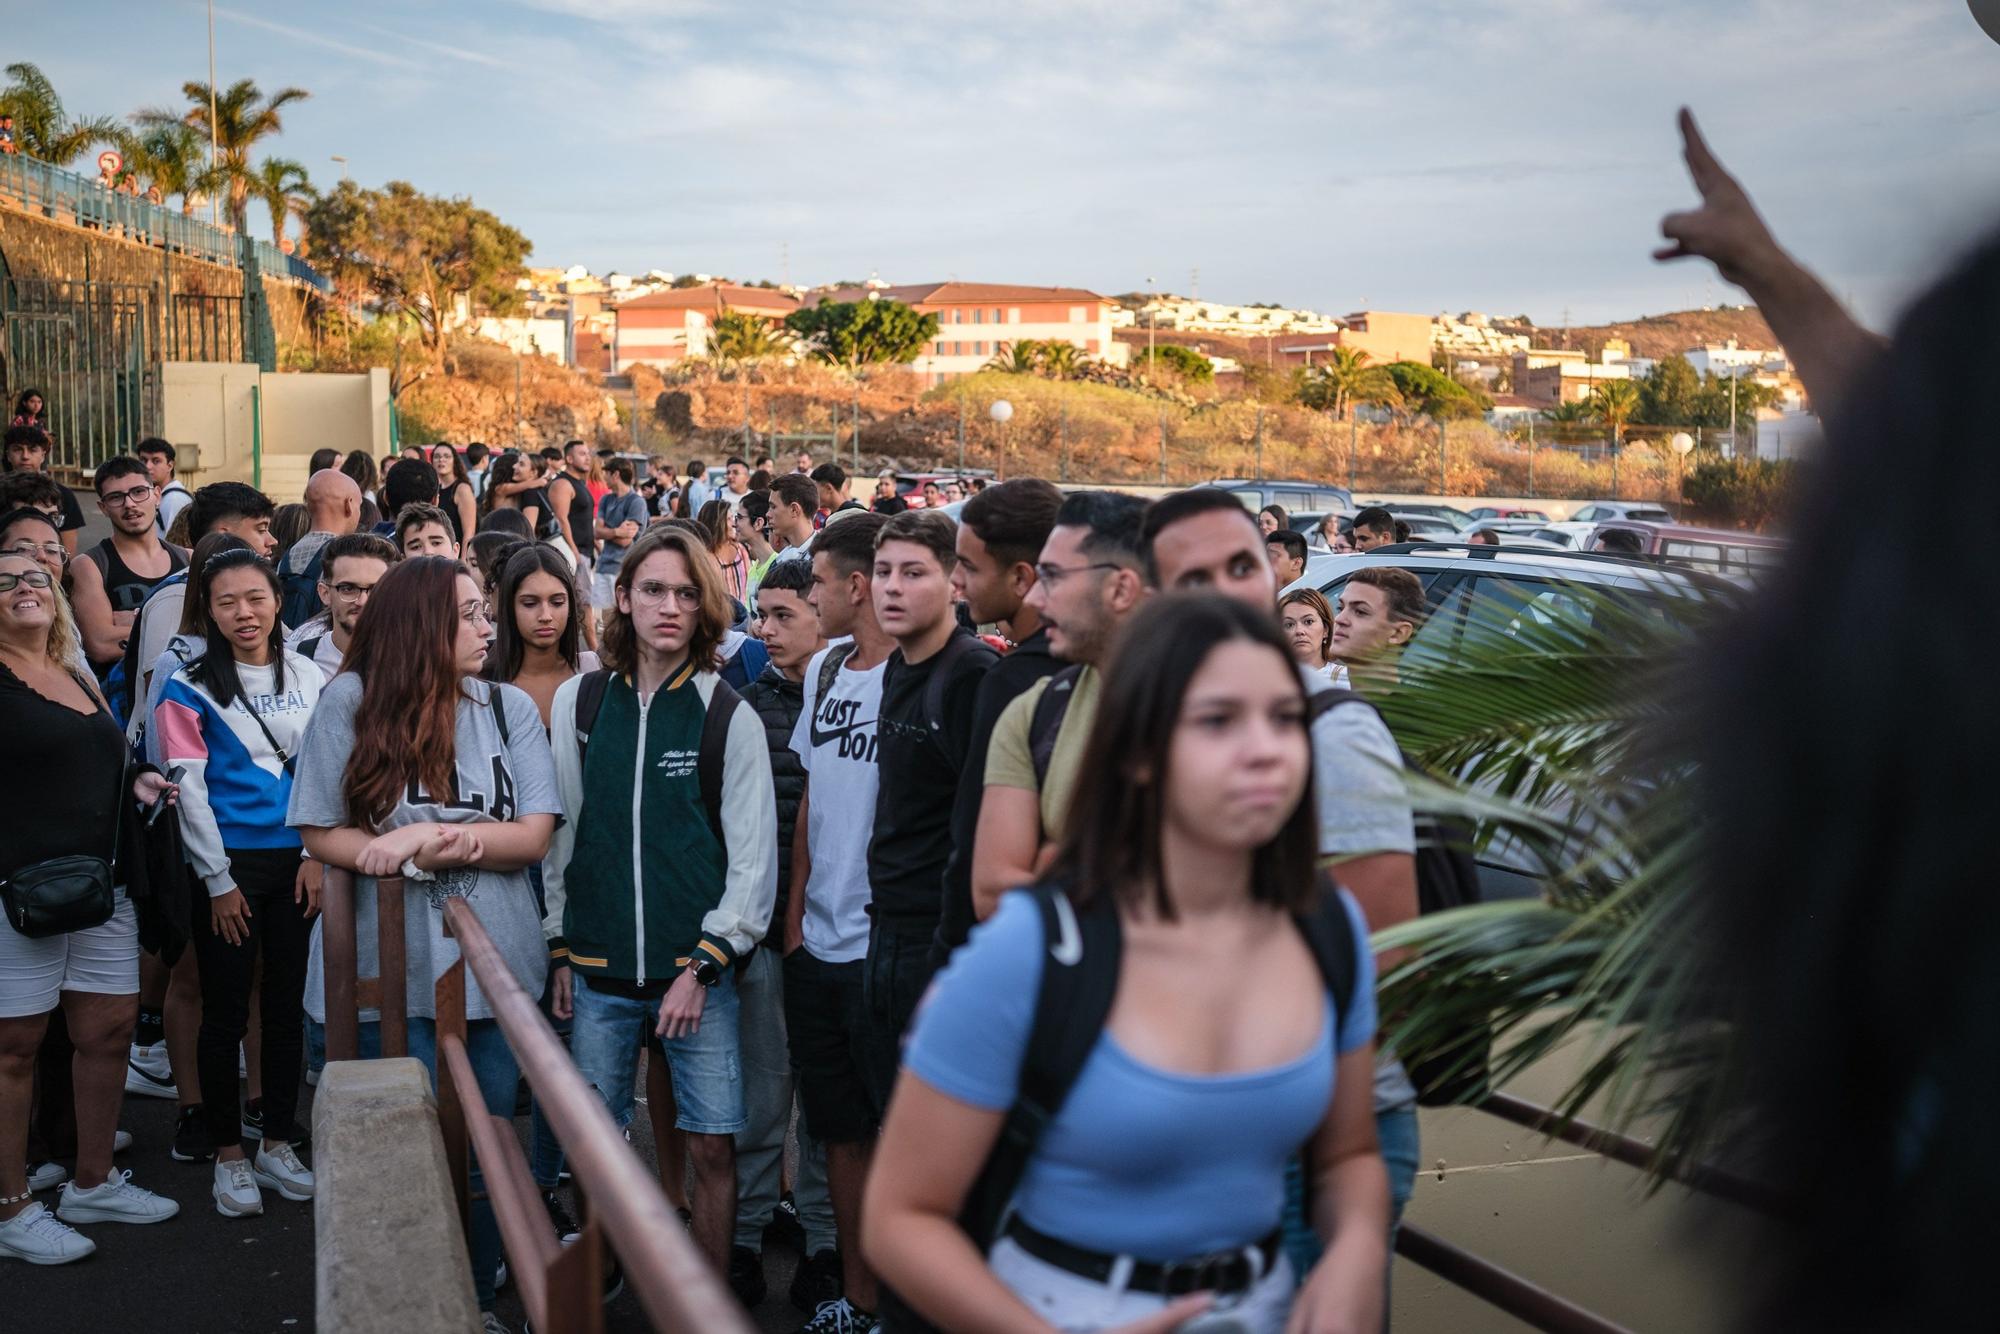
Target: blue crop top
x=1139 y=1161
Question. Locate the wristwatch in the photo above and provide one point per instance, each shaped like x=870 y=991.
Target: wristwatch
x=706 y=971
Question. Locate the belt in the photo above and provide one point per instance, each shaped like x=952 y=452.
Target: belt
x=1223 y=1272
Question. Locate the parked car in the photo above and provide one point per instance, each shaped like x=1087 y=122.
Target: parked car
x=1717 y=550
x=1588 y=516
x=1560 y=537
x=1508 y=512
x=1293 y=495
x=1451 y=514
x=1515 y=532
x=1428 y=525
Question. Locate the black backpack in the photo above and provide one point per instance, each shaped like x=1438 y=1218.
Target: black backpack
x=954 y=648
x=1079 y=981
x=1454 y=1070
x=301 y=589
x=1051 y=707
x=714 y=739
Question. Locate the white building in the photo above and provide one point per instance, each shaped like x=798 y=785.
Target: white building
x=1170 y=312
x=977 y=320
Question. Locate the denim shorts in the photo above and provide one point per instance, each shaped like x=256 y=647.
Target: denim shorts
x=605 y=1038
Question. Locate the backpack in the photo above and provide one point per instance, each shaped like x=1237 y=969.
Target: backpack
x=749 y=663
x=954 y=648
x=709 y=759
x=1079 y=982
x=1455 y=1070
x=1046 y=723
x=121 y=682
x=301 y=589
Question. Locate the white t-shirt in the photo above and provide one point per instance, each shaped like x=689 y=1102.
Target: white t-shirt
x=173 y=499
x=835 y=741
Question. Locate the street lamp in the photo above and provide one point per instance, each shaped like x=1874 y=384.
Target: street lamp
x=1682 y=442
x=1002 y=412
x=343 y=165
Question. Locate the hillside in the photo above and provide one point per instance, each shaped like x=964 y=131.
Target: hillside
x=1658 y=336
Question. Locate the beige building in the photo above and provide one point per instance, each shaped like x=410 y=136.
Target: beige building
x=978 y=320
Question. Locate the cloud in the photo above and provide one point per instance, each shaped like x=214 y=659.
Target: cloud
x=372 y=55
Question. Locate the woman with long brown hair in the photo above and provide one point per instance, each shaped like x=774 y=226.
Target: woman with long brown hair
x=455 y=492
x=415 y=767
x=717 y=522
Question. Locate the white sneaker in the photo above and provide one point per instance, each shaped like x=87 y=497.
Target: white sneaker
x=40 y=1238
x=279 y=1169
x=153 y=1060
x=46 y=1176
x=144 y=1082
x=236 y=1193
x=117 y=1200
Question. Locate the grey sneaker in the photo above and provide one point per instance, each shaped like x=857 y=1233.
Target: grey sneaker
x=40 y=1238
x=235 y=1189
x=116 y=1200
x=279 y=1169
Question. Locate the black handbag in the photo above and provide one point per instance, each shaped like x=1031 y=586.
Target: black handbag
x=66 y=893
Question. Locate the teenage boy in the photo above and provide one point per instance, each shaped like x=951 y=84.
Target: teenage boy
x=424 y=530
x=114 y=578
x=1287 y=552
x=621 y=517
x=158 y=456
x=570 y=494
x=652 y=895
x=27 y=450
x=735 y=481
x=1374 y=527
x=831 y=479
x=476 y=457
x=1366 y=827
x=350 y=567
x=408 y=482
x=696 y=486
x=1087 y=582
x=826 y=930
x=790 y=633
x=1001 y=533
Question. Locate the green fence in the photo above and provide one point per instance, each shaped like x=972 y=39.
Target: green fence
x=93 y=351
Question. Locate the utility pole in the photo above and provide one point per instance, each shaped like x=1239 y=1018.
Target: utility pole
x=212 y=156
x=1260 y=442
x=1353 y=439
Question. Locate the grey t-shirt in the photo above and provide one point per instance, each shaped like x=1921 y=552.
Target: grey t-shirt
x=496 y=783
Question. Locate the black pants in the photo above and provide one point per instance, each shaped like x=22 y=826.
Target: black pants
x=898 y=971
x=279 y=931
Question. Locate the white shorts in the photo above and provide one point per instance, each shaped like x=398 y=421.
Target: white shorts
x=102 y=960
x=604 y=594
x=1071 y=1302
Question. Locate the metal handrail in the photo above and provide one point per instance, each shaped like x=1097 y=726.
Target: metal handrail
x=347 y=994
x=1525 y=1301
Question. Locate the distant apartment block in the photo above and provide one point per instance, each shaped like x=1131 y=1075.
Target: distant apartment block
x=1472 y=336
x=669 y=326
x=976 y=320
x=1387 y=336
x=1196 y=316
x=1546 y=376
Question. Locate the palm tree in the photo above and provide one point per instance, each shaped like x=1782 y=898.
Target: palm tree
x=286 y=191
x=1337 y=385
x=174 y=158
x=42 y=128
x=1021 y=357
x=740 y=337
x=243 y=115
x=1062 y=360
x=1614 y=402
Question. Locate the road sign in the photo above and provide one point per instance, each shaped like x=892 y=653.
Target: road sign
x=110 y=161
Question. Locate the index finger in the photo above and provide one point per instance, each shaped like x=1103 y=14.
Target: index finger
x=1702 y=165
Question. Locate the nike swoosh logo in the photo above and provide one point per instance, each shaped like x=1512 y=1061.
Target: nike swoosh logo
x=1068 y=949
x=821 y=738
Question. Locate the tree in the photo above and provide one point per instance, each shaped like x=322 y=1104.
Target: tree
x=42 y=128
x=740 y=336
x=1189 y=364
x=413 y=255
x=243 y=116
x=1712 y=403
x=1667 y=396
x=1570 y=412
x=285 y=190
x=1337 y=385
x=1062 y=360
x=863 y=333
x=1023 y=356
x=172 y=157
x=1431 y=393
x=1613 y=403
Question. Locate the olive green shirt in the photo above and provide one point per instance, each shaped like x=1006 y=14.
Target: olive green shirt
x=1010 y=758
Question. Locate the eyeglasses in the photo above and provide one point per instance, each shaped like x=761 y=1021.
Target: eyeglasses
x=120 y=499
x=352 y=592
x=32 y=578
x=1055 y=574
x=654 y=593
x=54 y=550
x=474 y=613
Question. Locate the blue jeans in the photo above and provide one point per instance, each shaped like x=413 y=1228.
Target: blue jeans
x=494 y=1067
x=1396 y=1135
x=706 y=1066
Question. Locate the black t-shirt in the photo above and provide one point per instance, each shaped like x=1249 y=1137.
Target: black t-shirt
x=78 y=764
x=1030 y=662
x=918 y=771
x=72 y=518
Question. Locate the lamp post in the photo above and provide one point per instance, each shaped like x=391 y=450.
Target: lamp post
x=343 y=165
x=1001 y=412
x=1682 y=443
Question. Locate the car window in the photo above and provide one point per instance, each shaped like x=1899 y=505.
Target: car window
x=1645 y=515
x=1293 y=500
x=1588 y=514
x=1434 y=637
x=1328 y=500
x=1251 y=496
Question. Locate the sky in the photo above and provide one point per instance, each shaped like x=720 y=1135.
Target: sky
x=1509 y=156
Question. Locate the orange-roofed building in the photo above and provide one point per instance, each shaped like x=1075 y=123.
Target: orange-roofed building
x=671 y=326
x=975 y=321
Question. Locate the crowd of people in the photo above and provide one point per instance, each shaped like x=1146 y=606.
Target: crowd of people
x=735 y=777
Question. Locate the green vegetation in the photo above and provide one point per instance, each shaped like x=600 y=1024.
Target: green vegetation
x=862 y=333
x=1422 y=391
x=741 y=337
x=1185 y=362
x=174 y=159
x=1739 y=493
x=1336 y=385
x=244 y=115
x=42 y=127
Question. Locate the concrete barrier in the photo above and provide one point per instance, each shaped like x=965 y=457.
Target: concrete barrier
x=390 y=1254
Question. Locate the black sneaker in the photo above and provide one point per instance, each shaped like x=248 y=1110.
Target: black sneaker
x=252 y=1126
x=817 y=1281
x=746 y=1276
x=785 y=1229
x=191 y=1139
x=561 y=1218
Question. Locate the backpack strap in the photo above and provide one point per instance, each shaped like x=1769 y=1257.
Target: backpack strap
x=499 y=707
x=589 y=701
x=947 y=658
x=1324 y=702
x=1329 y=934
x=712 y=758
x=1079 y=980
x=308 y=648
x=1046 y=725
x=829 y=667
